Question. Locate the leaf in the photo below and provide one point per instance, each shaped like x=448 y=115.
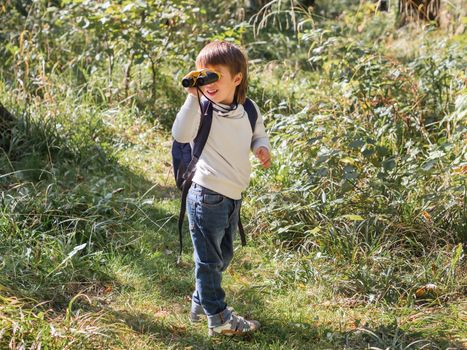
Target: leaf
x=430 y=287
x=75 y=250
x=323 y=196
x=456 y=257
x=69 y=256
x=352 y=217
x=356 y=144
x=149 y=201
x=313 y=231
x=347 y=160
x=428 y=165
x=436 y=154
x=350 y=172
x=389 y=164
x=427 y=216
x=128 y=7
x=368 y=152
x=106 y=5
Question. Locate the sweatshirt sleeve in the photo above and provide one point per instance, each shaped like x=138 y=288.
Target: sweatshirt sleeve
x=260 y=138
x=187 y=122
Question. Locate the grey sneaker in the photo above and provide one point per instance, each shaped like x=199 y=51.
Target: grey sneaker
x=237 y=325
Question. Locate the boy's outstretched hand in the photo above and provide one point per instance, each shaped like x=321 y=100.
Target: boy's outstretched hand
x=263 y=156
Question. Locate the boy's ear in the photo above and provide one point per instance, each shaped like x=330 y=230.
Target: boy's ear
x=238 y=78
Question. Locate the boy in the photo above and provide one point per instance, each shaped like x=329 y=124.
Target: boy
x=222 y=173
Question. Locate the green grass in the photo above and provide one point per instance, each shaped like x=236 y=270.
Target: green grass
x=125 y=290
x=356 y=234
x=128 y=291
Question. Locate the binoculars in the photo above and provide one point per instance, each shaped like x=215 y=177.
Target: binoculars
x=200 y=77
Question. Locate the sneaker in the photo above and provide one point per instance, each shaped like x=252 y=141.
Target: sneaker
x=237 y=325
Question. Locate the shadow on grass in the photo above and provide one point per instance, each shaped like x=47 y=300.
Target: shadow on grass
x=161 y=331
x=183 y=336
x=391 y=336
x=64 y=203
x=276 y=334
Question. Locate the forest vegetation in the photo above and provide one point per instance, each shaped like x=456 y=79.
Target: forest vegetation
x=356 y=234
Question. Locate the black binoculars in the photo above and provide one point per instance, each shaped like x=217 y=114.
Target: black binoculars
x=200 y=77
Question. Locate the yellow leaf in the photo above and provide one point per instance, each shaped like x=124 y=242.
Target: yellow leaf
x=420 y=292
x=430 y=287
x=426 y=215
x=460 y=169
x=313 y=231
x=352 y=217
x=347 y=160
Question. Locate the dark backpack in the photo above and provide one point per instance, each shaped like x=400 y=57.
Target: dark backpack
x=184 y=159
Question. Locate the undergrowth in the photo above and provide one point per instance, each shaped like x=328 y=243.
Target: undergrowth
x=357 y=232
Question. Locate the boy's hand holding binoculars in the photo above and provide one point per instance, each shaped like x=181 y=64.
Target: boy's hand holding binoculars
x=192 y=91
x=193 y=80
x=197 y=78
x=263 y=156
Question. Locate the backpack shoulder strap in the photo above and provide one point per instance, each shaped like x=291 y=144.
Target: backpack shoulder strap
x=252 y=113
x=204 y=129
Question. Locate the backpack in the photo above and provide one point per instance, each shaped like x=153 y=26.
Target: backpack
x=184 y=159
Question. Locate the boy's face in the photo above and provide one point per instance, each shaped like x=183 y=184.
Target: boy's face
x=223 y=90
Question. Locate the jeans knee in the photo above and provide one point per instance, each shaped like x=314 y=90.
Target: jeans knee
x=209 y=267
x=226 y=263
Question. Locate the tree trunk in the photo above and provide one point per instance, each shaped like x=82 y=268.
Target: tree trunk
x=110 y=73
x=154 y=79
x=383 y=5
x=7 y=121
x=128 y=74
x=416 y=10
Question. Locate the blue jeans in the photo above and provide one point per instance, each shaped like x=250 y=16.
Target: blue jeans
x=213 y=222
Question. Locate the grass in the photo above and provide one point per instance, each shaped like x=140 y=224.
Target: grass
x=88 y=242
x=130 y=293
x=123 y=289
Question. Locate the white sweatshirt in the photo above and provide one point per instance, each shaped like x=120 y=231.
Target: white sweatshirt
x=224 y=165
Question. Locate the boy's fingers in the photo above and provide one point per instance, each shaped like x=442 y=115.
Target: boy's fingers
x=261 y=152
x=192 y=91
x=264 y=157
x=266 y=162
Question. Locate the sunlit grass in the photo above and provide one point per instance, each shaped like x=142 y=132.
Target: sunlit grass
x=335 y=259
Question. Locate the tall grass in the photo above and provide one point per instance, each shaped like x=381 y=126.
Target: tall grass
x=363 y=210
x=369 y=165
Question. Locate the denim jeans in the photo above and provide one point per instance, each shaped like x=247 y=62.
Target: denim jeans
x=213 y=222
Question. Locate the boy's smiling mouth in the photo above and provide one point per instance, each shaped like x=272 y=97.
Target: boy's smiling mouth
x=211 y=91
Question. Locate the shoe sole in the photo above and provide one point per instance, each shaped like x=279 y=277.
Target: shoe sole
x=231 y=332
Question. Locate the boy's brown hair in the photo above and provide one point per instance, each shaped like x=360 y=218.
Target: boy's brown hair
x=230 y=55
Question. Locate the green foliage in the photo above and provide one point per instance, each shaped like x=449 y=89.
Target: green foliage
x=358 y=228
x=113 y=50
x=21 y=324
x=369 y=162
